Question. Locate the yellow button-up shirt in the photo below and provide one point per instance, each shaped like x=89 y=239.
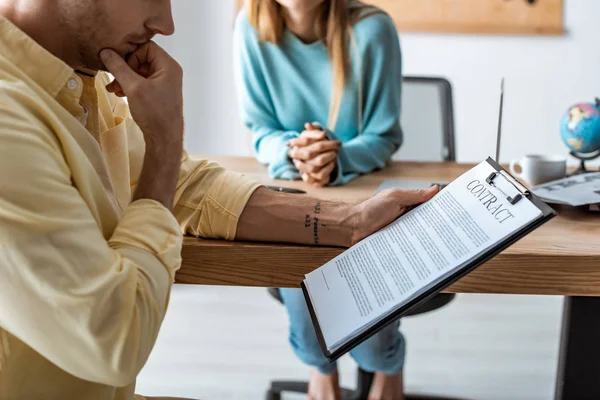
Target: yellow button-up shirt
x=85 y=274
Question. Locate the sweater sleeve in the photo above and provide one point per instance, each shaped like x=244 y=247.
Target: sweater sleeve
x=381 y=74
x=258 y=113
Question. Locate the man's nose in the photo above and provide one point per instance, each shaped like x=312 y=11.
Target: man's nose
x=162 y=23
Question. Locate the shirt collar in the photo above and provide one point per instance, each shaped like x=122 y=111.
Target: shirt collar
x=47 y=70
x=90 y=73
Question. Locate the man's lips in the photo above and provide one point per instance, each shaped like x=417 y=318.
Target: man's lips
x=133 y=46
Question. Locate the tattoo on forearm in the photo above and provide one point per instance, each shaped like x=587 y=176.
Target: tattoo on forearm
x=307 y=221
x=314 y=223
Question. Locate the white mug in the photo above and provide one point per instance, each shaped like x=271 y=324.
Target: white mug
x=536 y=169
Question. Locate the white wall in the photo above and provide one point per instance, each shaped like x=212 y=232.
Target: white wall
x=544 y=76
x=203 y=46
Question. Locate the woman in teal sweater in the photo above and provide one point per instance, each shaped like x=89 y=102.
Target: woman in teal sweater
x=319 y=85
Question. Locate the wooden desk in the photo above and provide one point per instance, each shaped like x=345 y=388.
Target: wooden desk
x=560 y=258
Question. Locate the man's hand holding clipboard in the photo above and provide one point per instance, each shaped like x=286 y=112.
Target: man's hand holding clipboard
x=381 y=278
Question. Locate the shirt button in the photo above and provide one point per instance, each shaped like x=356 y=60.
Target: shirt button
x=72 y=84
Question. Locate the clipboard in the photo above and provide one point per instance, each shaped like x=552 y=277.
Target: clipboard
x=514 y=192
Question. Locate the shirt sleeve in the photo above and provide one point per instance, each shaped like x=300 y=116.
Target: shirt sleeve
x=90 y=304
x=209 y=200
x=256 y=106
x=381 y=74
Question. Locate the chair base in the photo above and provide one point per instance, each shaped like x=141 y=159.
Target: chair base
x=279 y=388
x=363 y=385
x=276 y=392
x=364 y=381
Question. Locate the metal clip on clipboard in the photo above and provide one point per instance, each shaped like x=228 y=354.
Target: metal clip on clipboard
x=520 y=190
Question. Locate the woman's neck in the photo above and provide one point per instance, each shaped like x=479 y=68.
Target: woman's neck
x=301 y=23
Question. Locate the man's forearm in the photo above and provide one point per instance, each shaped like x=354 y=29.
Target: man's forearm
x=158 y=178
x=280 y=217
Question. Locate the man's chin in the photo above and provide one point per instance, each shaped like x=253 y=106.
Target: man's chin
x=95 y=65
x=94 y=62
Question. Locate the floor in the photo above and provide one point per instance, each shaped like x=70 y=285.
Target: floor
x=227 y=343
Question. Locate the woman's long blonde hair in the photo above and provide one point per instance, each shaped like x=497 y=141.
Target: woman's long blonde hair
x=333 y=27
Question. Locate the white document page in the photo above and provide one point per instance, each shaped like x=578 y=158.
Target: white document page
x=389 y=268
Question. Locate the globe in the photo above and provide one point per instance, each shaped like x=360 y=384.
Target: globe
x=580 y=128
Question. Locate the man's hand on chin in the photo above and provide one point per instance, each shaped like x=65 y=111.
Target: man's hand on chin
x=152 y=81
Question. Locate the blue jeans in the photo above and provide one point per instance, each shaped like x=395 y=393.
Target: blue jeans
x=383 y=352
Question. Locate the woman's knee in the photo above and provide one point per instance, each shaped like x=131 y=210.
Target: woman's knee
x=303 y=337
x=382 y=352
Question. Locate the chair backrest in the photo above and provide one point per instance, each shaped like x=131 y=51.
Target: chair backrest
x=427 y=120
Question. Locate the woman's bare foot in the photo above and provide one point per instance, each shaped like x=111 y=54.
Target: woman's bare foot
x=323 y=387
x=387 y=387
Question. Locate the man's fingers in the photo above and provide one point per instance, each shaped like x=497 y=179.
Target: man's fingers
x=145 y=70
x=119 y=68
x=149 y=58
x=142 y=63
x=414 y=197
x=114 y=87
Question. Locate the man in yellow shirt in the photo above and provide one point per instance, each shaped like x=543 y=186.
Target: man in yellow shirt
x=93 y=205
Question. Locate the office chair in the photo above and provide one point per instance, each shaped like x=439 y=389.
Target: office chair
x=427 y=116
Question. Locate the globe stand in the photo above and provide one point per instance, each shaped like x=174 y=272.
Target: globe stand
x=583 y=158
